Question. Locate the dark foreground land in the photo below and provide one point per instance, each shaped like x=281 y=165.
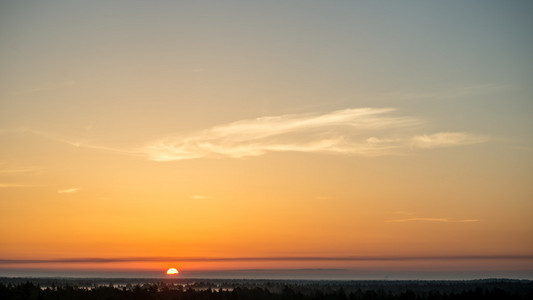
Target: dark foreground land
x=192 y=289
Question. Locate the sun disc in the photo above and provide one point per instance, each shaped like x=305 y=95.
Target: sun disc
x=172 y=271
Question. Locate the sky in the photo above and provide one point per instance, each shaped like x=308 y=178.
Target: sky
x=341 y=139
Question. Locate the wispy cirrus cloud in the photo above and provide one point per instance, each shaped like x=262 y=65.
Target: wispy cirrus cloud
x=78 y=143
x=10 y=168
x=21 y=170
x=69 y=191
x=446 y=139
x=354 y=131
x=12 y=185
x=408 y=216
x=451 y=93
x=442 y=220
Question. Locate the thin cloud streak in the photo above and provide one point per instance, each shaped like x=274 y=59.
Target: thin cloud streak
x=68 y=191
x=14 y=171
x=257 y=259
x=10 y=185
x=79 y=143
x=361 y=131
x=16 y=185
x=443 y=220
x=459 y=92
x=446 y=139
x=8 y=168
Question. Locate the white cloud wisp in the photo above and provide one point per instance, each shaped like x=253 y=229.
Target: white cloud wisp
x=446 y=139
x=362 y=131
x=68 y=191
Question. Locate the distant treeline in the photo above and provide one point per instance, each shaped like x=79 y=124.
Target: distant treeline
x=163 y=291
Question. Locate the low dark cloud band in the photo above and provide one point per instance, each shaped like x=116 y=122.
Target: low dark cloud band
x=258 y=259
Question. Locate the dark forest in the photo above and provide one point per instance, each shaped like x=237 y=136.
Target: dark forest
x=266 y=290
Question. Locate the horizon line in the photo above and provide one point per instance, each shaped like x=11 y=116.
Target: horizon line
x=263 y=258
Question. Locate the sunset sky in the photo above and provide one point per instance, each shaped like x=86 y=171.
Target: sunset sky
x=362 y=138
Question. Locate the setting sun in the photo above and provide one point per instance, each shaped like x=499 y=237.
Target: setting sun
x=172 y=271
